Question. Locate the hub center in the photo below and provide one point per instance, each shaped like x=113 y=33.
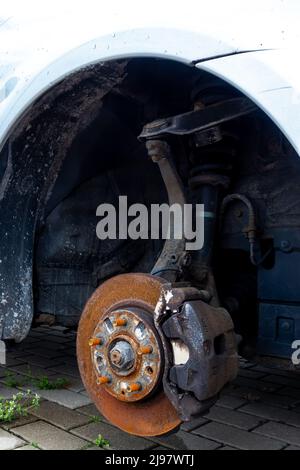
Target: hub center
x=122 y=355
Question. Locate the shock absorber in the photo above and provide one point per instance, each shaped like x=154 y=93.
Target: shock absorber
x=213 y=145
x=211 y=158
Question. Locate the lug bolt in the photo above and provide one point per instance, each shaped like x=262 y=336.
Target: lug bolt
x=120 y=322
x=95 y=342
x=145 y=350
x=135 y=387
x=103 y=380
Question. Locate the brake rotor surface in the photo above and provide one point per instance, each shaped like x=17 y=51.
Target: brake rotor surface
x=120 y=355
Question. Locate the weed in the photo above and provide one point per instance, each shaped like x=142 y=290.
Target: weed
x=95 y=419
x=17 y=406
x=44 y=383
x=100 y=441
x=12 y=381
x=35 y=445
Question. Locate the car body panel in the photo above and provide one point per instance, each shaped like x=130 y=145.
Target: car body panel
x=41 y=44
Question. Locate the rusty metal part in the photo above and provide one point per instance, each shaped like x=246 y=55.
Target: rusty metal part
x=199 y=120
x=211 y=179
x=145 y=350
x=205 y=338
x=173 y=257
x=120 y=321
x=95 y=342
x=251 y=230
x=128 y=348
x=208 y=333
x=155 y=415
x=135 y=387
x=104 y=379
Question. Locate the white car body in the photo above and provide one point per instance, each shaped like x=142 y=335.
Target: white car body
x=252 y=45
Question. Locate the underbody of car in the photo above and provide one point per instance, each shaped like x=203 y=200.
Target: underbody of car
x=160 y=327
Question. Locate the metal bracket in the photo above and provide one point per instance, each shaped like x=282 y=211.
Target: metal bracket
x=199 y=120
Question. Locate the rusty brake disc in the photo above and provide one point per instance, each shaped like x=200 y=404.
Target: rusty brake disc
x=121 y=358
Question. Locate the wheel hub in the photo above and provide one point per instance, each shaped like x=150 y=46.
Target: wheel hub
x=122 y=356
x=126 y=354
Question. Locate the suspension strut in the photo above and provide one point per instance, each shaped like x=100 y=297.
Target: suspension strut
x=154 y=350
x=204 y=330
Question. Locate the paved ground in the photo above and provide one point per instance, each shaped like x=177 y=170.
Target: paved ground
x=261 y=410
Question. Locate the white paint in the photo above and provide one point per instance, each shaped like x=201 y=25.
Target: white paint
x=41 y=42
x=272 y=80
x=181 y=353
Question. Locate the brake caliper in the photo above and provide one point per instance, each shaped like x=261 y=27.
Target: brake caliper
x=200 y=349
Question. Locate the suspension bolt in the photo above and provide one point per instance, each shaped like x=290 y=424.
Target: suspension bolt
x=95 y=342
x=103 y=380
x=120 y=322
x=145 y=350
x=135 y=387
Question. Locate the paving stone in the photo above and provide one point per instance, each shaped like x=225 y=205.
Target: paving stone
x=281 y=432
x=185 y=441
x=43 y=352
x=31 y=340
x=27 y=447
x=272 y=413
x=21 y=380
x=11 y=361
x=60 y=339
x=60 y=416
x=238 y=438
x=70 y=361
x=292 y=448
x=7 y=392
x=65 y=398
x=70 y=352
x=258 y=385
x=227 y=448
x=234 y=418
x=46 y=353
x=283 y=380
x=159 y=448
x=231 y=402
x=195 y=423
x=19 y=422
x=91 y=411
x=49 y=437
x=118 y=439
x=290 y=392
x=66 y=369
x=9 y=441
x=274 y=371
x=269 y=398
x=39 y=361
x=51 y=346
x=251 y=374
x=246 y=364
x=34 y=333
x=33 y=371
x=74 y=384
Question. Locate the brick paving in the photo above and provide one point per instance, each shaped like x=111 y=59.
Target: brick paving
x=261 y=410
